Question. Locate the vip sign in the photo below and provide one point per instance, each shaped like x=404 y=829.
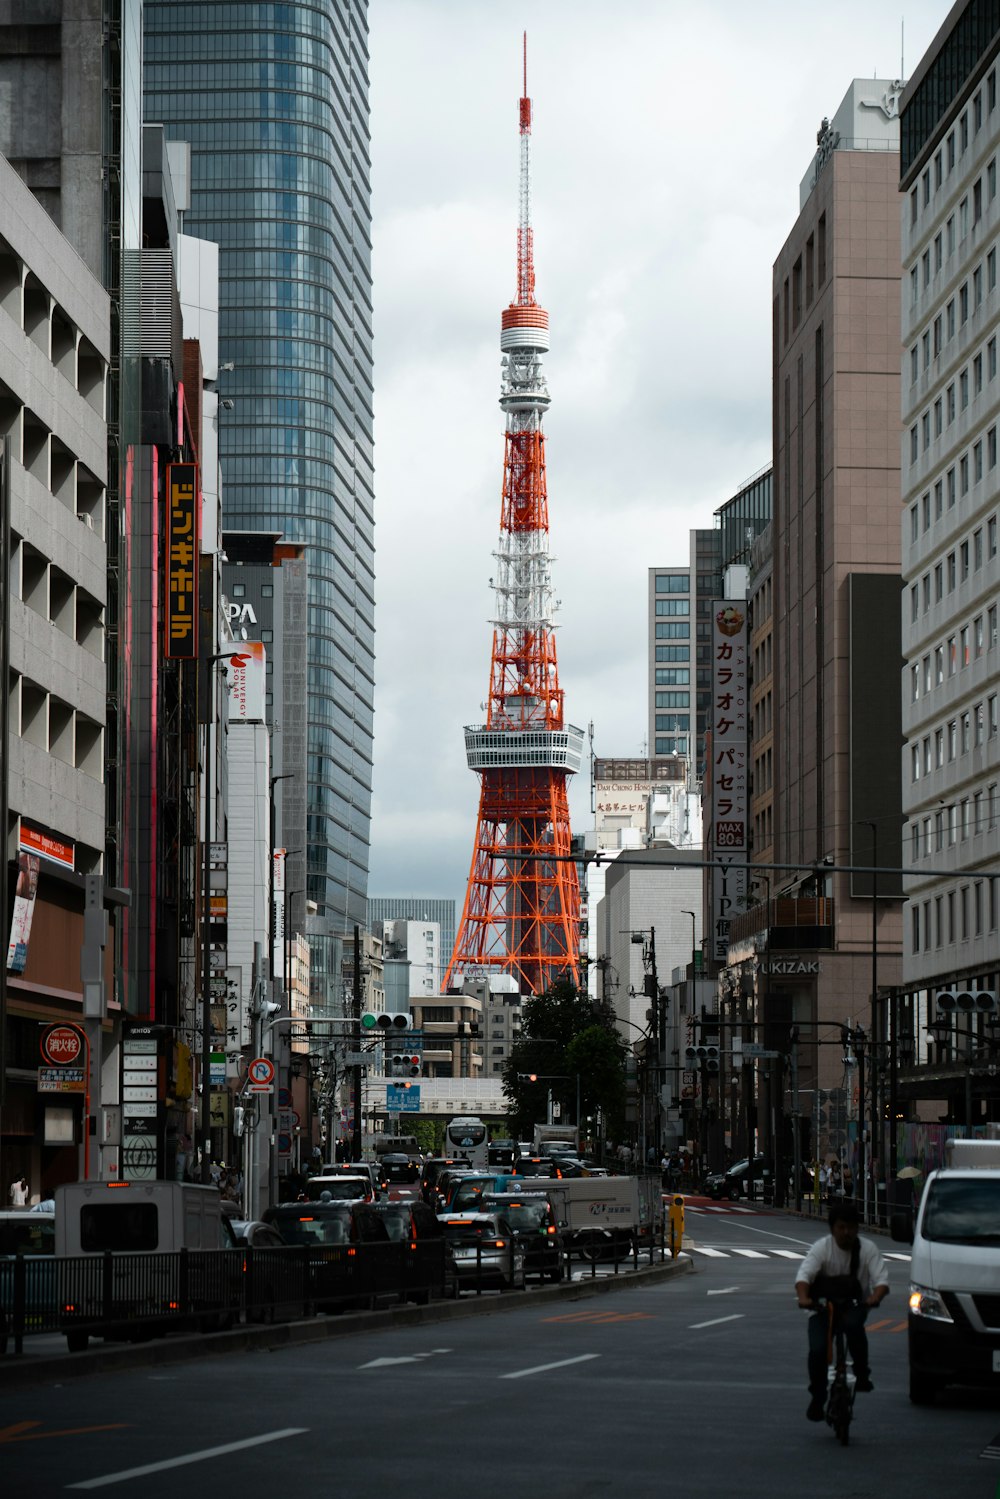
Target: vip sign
x=248 y=683
x=181 y=614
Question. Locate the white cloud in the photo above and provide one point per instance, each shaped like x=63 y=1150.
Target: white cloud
x=668 y=146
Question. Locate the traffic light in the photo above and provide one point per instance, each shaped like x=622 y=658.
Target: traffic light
x=375 y=1021
x=966 y=1002
x=405 y=1064
x=691 y=1058
x=527 y=1077
x=712 y=1058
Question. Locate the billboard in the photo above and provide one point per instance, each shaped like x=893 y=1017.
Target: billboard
x=247 y=670
x=728 y=771
x=181 y=610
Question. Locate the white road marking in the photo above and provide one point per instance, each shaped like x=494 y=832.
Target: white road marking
x=750 y=1254
x=190 y=1457
x=712 y=1254
x=716 y=1321
x=788 y=1254
x=544 y=1368
x=892 y=1255
x=725 y=1291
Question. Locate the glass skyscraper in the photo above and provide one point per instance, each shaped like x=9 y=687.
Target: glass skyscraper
x=273 y=99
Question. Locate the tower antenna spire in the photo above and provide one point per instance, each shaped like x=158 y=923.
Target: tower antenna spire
x=525 y=237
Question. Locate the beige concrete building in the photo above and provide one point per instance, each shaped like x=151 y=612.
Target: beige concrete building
x=803 y=955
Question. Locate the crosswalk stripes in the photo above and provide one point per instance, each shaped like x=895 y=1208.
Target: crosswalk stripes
x=711 y=1253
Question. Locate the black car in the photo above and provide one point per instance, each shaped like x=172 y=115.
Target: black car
x=534 y=1225
x=400 y=1170
x=734 y=1182
x=433 y=1168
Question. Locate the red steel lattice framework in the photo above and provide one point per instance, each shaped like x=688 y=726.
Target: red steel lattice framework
x=522 y=906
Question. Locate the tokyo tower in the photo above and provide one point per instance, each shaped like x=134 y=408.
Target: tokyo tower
x=522 y=906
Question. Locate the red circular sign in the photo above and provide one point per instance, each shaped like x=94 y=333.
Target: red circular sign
x=62 y=1045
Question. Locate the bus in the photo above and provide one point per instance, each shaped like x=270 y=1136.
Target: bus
x=465 y=1135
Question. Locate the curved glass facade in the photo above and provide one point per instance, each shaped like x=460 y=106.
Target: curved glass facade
x=273 y=99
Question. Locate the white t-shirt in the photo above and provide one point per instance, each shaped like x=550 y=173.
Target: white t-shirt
x=827 y=1258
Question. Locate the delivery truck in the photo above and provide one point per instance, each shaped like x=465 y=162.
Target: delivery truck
x=602 y=1216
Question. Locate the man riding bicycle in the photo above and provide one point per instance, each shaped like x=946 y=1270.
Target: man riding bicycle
x=846 y=1269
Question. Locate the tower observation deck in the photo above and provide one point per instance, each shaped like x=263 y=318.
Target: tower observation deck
x=522 y=906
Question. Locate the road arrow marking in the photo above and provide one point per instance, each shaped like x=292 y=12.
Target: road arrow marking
x=408 y=1358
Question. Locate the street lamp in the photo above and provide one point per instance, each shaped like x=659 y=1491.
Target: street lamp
x=694 y=943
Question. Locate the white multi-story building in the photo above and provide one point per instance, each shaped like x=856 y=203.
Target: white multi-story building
x=950 y=142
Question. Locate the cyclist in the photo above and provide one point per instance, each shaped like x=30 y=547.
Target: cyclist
x=844 y=1268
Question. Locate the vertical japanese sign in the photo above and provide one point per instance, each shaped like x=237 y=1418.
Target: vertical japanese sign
x=24 y=910
x=181 y=615
x=730 y=795
x=278 y=919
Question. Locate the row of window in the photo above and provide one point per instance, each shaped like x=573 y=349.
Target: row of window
x=956 y=823
x=956 y=230
x=673 y=583
x=673 y=653
x=956 y=141
x=955 y=916
x=673 y=700
x=954 y=399
x=960 y=649
x=956 y=568
x=956 y=313
x=672 y=746
x=981 y=456
x=966 y=731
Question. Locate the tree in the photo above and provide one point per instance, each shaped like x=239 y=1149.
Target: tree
x=552 y=1023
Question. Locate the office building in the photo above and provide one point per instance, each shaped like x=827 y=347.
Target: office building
x=680 y=607
x=275 y=107
x=415 y=908
x=814 y=947
x=950 y=143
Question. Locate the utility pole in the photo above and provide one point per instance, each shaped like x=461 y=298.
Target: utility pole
x=356 y=1070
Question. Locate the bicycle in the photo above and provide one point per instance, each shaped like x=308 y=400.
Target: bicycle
x=840 y=1397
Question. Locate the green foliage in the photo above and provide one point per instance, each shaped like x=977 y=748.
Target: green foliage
x=561 y=1037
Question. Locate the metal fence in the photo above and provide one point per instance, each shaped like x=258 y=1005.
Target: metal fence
x=136 y=1296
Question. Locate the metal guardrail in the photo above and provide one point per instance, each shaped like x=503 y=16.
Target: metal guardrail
x=137 y=1296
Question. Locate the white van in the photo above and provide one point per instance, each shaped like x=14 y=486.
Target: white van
x=137 y=1217
x=954 y=1318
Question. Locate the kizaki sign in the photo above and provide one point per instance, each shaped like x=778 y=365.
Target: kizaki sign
x=247 y=670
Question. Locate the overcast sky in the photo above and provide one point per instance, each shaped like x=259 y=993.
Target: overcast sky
x=668 y=144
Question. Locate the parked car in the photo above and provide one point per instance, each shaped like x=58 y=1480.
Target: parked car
x=486 y=1250
x=734 y=1182
x=531 y=1216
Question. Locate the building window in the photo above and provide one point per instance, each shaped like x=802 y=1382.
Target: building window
x=949 y=401
x=977 y=375
x=977 y=549
x=937 y=335
x=937 y=417
x=991 y=270
x=977 y=462
x=991 y=359
x=949 y=316
x=963 y=390
x=963 y=474
x=963 y=219
x=938 y=582
x=926 y=184
x=963 y=303
x=949 y=147
x=238 y=591
x=963 y=561
x=949 y=235
x=963 y=132
x=673 y=583
x=952 y=572
x=914 y=444
x=673 y=606
x=915 y=920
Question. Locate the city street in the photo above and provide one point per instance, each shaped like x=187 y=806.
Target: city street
x=694 y=1386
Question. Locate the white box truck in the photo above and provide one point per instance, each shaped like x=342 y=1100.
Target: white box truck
x=132 y=1234
x=954 y=1299
x=130 y=1217
x=600 y=1214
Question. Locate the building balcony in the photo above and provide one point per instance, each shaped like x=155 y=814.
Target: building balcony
x=786 y=923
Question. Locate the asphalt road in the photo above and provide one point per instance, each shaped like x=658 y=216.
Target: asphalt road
x=694 y=1387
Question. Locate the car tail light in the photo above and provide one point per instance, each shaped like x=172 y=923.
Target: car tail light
x=70 y=1306
x=551 y=1229
x=500 y=1243
x=351 y=1253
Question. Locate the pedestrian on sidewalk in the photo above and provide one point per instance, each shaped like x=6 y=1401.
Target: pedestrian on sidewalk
x=19 y=1192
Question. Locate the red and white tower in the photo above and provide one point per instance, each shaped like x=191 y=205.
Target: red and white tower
x=522 y=906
